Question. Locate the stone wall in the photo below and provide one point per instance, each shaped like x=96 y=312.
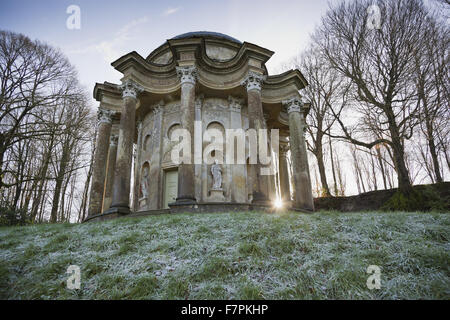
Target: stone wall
x=154 y=148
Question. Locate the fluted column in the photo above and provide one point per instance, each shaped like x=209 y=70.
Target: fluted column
x=269 y=180
x=137 y=154
x=99 y=166
x=303 y=198
x=154 y=200
x=186 y=177
x=122 y=173
x=285 y=189
x=112 y=155
x=253 y=84
x=239 y=190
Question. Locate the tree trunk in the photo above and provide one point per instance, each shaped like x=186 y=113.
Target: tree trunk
x=60 y=179
x=434 y=156
x=404 y=185
x=398 y=151
x=322 y=173
x=380 y=162
x=333 y=169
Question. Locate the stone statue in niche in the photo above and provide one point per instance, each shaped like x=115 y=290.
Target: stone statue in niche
x=144 y=183
x=216 y=172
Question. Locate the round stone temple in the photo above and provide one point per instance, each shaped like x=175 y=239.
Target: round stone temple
x=199 y=84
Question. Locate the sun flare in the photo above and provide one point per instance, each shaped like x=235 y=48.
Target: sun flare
x=278 y=203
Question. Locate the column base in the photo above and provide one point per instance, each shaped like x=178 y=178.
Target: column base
x=118 y=210
x=111 y=213
x=260 y=198
x=183 y=205
x=184 y=200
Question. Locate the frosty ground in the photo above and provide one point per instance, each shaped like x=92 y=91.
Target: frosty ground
x=246 y=255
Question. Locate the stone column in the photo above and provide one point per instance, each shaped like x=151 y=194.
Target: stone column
x=186 y=177
x=137 y=154
x=253 y=84
x=112 y=155
x=122 y=173
x=154 y=198
x=285 y=189
x=239 y=186
x=303 y=199
x=269 y=180
x=100 y=158
x=198 y=166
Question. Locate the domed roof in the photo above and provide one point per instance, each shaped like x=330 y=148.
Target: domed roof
x=206 y=34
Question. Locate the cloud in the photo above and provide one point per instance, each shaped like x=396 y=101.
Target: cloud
x=110 y=49
x=131 y=26
x=170 y=11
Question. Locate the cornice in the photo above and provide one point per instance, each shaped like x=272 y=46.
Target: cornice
x=213 y=74
x=106 y=88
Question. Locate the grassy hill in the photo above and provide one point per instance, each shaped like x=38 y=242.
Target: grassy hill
x=247 y=255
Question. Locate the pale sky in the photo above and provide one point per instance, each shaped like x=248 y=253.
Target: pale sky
x=110 y=29
x=113 y=28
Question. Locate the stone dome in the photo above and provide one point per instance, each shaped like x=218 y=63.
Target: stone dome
x=206 y=34
x=219 y=46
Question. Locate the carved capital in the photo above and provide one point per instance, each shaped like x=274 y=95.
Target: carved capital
x=157 y=110
x=284 y=148
x=199 y=101
x=293 y=105
x=131 y=89
x=105 y=116
x=253 y=81
x=113 y=140
x=235 y=103
x=187 y=74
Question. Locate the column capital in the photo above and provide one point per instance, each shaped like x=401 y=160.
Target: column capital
x=293 y=105
x=113 y=140
x=139 y=126
x=158 y=108
x=199 y=101
x=284 y=148
x=130 y=89
x=104 y=115
x=253 y=81
x=187 y=74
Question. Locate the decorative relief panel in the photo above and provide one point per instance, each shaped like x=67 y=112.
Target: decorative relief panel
x=172 y=108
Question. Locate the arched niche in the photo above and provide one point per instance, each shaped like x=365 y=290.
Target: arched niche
x=172 y=128
x=213 y=149
x=147 y=142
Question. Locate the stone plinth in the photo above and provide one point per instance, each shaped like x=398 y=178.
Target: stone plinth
x=216 y=195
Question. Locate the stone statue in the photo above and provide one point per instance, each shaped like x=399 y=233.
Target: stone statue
x=216 y=172
x=144 y=183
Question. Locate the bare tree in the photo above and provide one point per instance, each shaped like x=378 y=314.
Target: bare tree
x=432 y=74
x=45 y=122
x=380 y=65
x=326 y=88
x=32 y=75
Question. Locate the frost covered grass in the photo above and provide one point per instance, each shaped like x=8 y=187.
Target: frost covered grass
x=246 y=255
